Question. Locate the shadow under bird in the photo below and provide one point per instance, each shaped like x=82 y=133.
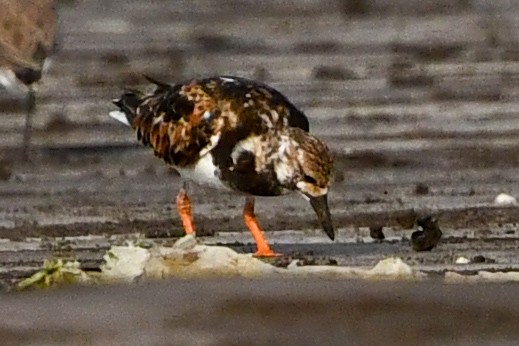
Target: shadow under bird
x=234 y=134
x=27 y=36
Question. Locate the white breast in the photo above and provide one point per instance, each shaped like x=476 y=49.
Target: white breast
x=204 y=173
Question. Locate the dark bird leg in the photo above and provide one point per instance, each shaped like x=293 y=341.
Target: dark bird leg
x=263 y=248
x=184 y=211
x=27 y=133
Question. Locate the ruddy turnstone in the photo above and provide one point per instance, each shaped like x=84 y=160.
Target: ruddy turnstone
x=236 y=134
x=27 y=37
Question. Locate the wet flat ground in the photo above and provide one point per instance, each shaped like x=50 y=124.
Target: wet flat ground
x=261 y=312
x=418 y=101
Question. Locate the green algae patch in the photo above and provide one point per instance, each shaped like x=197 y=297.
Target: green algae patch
x=54 y=273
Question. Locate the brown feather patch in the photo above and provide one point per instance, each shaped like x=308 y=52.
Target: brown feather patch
x=178 y=121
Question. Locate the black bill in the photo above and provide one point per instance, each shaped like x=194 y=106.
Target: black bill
x=320 y=205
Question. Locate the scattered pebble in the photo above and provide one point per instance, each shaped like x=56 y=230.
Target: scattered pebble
x=462 y=260
x=505 y=199
x=312 y=261
x=421 y=189
x=303 y=259
x=476 y=259
x=393 y=267
x=376 y=233
x=429 y=237
x=125 y=262
x=293 y=264
x=482 y=259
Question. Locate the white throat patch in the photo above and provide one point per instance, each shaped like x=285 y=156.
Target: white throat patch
x=284 y=169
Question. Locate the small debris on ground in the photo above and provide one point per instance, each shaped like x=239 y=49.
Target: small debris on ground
x=186 y=258
x=428 y=237
x=376 y=232
x=462 y=260
x=303 y=259
x=421 y=189
x=504 y=199
x=482 y=259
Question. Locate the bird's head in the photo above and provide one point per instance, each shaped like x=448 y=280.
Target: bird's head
x=314 y=175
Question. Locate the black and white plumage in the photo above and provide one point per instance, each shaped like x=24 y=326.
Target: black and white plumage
x=233 y=133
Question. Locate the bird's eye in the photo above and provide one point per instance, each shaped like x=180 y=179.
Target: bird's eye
x=309 y=179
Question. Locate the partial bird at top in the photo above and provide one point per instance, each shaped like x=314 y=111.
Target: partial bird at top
x=235 y=134
x=27 y=37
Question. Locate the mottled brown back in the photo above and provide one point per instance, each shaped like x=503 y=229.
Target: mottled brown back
x=179 y=121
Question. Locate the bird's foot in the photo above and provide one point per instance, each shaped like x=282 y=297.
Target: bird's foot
x=266 y=253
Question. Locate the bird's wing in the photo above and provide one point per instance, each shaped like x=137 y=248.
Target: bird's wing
x=172 y=120
x=248 y=109
x=186 y=121
x=257 y=101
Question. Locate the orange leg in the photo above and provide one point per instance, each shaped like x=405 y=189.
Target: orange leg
x=264 y=249
x=184 y=211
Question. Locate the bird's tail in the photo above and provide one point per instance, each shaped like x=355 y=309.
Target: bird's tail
x=127 y=104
